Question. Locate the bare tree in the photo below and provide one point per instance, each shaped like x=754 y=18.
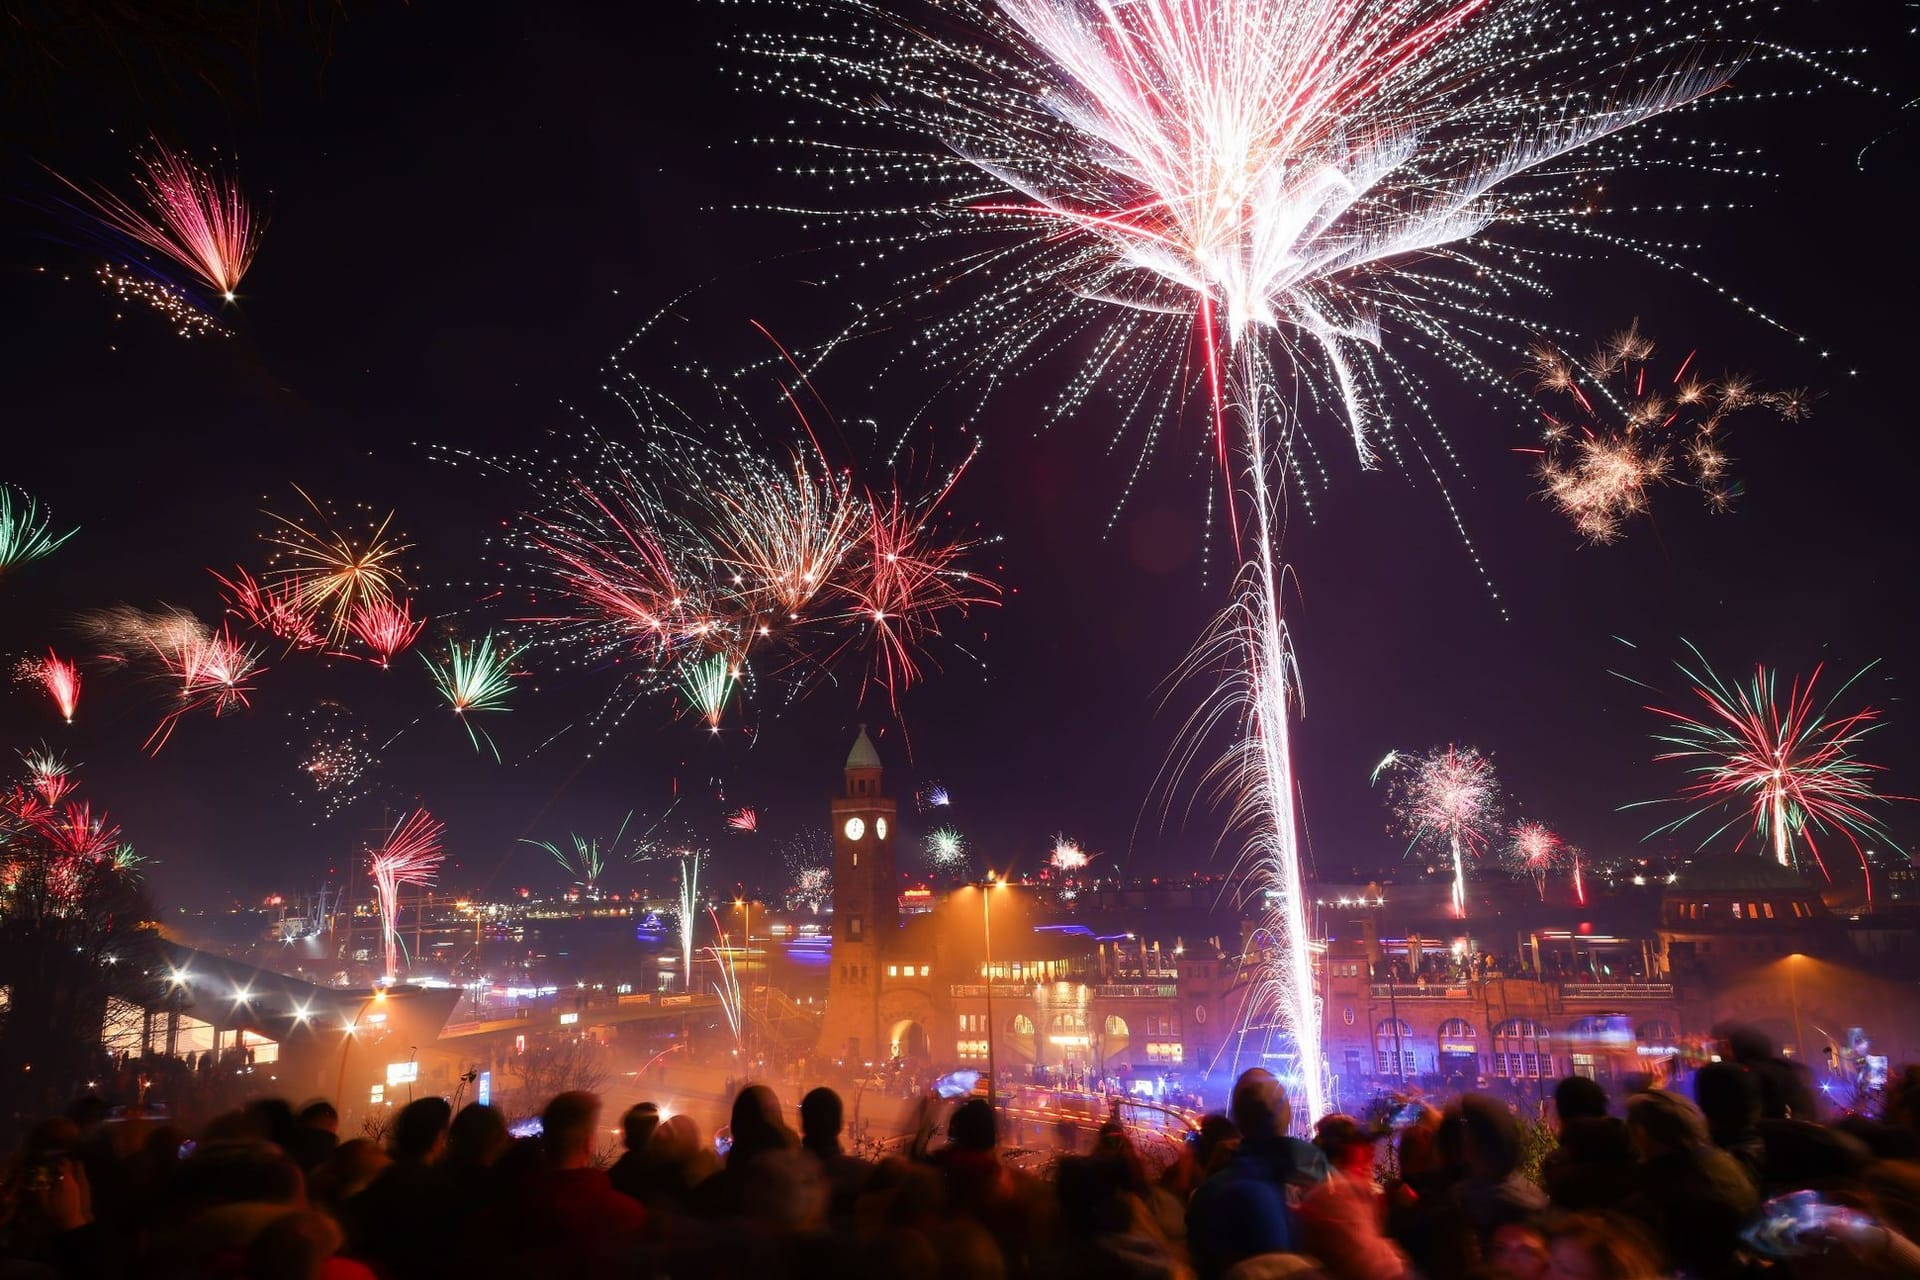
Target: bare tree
x=559 y=1066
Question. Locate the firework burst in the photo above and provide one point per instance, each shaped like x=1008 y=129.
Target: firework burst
x=1631 y=430
x=475 y=677
x=331 y=573
x=277 y=610
x=212 y=671
x=932 y=796
x=386 y=627
x=48 y=775
x=946 y=851
x=58 y=677
x=1533 y=852
x=708 y=685
x=410 y=855
x=197 y=219
x=585 y=861
x=1447 y=800
x=1780 y=765
x=1067 y=856
x=336 y=762
x=746 y=821
x=26 y=534
x=809 y=862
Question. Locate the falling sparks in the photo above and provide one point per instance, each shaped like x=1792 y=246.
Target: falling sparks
x=335 y=762
x=1781 y=765
x=278 y=611
x=1447 y=799
x=808 y=856
x=410 y=855
x=212 y=670
x=476 y=676
x=173 y=305
x=1634 y=431
x=26 y=534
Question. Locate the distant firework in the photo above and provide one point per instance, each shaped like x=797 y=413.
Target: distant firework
x=946 y=850
x=332 y=573
x=197 y=217
x=410 y=855
x=48 y=775
x=930 y=797
x=746 y=821
x=336 y=762
x=1637 y=430
x=718 y=560
x=1782 y=766
x=1067 y=855
x=475 y=677
x=26 y=534
x=57 y=677
x=131 y=635
x=1534 y=852
x=170 y=301
x=808 y=857
x=1447 y=799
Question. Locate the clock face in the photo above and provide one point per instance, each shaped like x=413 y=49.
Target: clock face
x=880 y=828
x=855 y=828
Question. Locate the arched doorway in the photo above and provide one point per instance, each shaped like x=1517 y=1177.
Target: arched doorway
x=1068 y=1036
x=1114 y=1041
x=908 y=1039
x=1021 y=1038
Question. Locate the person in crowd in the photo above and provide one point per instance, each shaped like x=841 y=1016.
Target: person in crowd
x=1518 y=1251
x=1786 y=1090
x=1600 y=1247
x=315 y=1134
x=1592 y=1165
x=1491 y=1191
x=402 y=1219
x=821 y=1120
x=569 y=1221
x=1694 y=1198
x=1245 y=1209
x=1343 y=1218
x=637 y=1127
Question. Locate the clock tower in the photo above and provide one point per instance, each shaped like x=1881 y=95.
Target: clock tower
x=866 y=907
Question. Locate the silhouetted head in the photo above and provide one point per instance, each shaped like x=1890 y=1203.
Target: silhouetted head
x=1259 y=1106
x=972 y=1127
x=637 y=1126
x=1578 y=1098
x=421 y=1128
x=566 y=1128
x=821 y=1116
x=478 y=1135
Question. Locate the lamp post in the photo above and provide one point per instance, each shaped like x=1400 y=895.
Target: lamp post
x=346 y=1044
x=993 y=1028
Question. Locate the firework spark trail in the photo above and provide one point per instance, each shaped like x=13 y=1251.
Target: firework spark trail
x=276 y=610
x=689 y=913
x=333 y=573
x=1248 y=188
x=584 y=862
x=25 y=533
x=410 y=855
x=212 y=669
x=200 y=219
x=60 y=679
x=387 y=627
x=48 y=775
x=1448 y=798
x=708 y=686
x=1533 y=852
x=746 y=821
x=188 y=320
x=476 y=677
x=727 y=982
x=1600 y=465
x=1783 y=763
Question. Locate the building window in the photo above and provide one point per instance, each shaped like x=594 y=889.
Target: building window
x=1116 y=1026
x=1022 y=1025
x=854 y=927
x=1768 y=908
x=1393 y=1036
x=893 y=971
x=975 y=1050
x=1736 y=912
x=1165 y=1052
x=926 y=971
x=1520 y=1050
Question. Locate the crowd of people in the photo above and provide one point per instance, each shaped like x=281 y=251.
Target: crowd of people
x=1672 y=1186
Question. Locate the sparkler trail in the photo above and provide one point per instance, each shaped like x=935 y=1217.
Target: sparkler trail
x=410 y=855
x=1784 y=763
x=1599 y=471
x=1448 y=798
x=1239 y=203
x=26 y=534
x=1533 y=852
x=476 y=677
x=200 y=220
x=58 y=677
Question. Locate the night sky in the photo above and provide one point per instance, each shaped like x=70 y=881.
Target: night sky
x=472 y=205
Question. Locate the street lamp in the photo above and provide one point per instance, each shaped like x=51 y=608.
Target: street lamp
x=346 y=1042
x=993 y=1028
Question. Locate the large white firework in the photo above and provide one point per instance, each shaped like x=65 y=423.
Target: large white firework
x=1255 y=205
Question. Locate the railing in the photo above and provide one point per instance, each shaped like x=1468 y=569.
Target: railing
x=1137 y=991
x=1616 y=991
x=1414 y=991
x=976 y=990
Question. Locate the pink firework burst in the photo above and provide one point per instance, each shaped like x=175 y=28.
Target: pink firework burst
x=77 y=833
x=276 y=610
x=410 y=855
x=199 y=218
x=48 y=775
x=1447 y=799
x=387 y=627
x=1533 y=851
x=1067 y=855
x=747 y=820
x=59 y=677
x=214 y=671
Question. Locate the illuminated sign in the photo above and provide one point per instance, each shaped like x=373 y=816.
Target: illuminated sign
x=377 y=1095
x=485 y=1092
x=568 y=1019
x=402 y=1072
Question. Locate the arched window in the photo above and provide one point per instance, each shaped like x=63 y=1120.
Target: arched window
x=1459 y=1053
x=1116 y=1027
x=1069 y=1028
x=1393 y=1037
x=1520 y=1050
x=1022 y=1025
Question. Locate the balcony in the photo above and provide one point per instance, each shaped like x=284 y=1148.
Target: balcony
x=1001 y=990
x=1414 y=991
x=1616 y=991
x=1137 y=991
